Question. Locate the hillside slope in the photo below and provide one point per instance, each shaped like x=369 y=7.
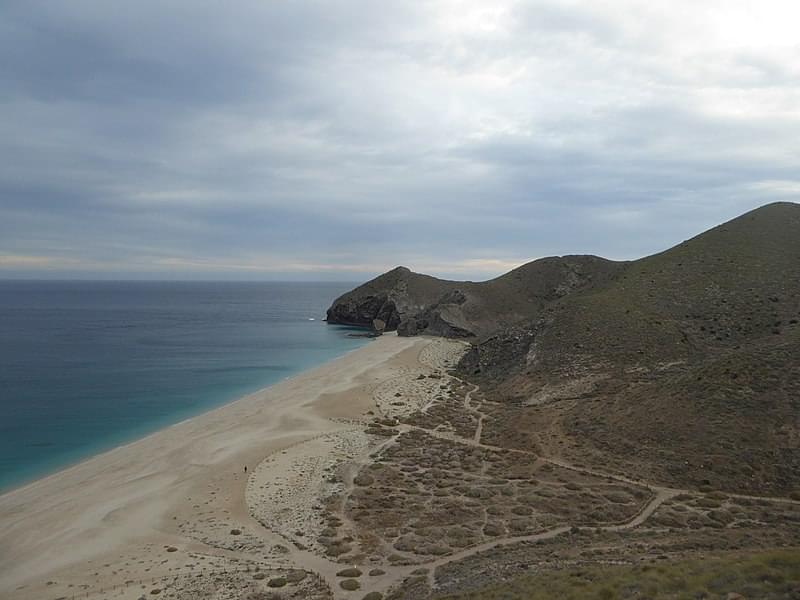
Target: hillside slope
x=686 y=366
x=683 y=366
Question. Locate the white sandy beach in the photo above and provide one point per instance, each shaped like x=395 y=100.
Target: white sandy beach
x=115 y=524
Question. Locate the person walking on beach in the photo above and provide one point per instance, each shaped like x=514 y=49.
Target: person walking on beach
x=245 y=468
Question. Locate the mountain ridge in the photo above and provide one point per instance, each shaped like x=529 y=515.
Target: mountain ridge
x=460 y=308
x=415 y=303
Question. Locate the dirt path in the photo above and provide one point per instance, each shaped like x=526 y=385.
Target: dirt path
x=479 y=430
x=326 y=568
x=393 y=575
x=648 y=509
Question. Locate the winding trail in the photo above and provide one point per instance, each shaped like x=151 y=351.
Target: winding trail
x=393 y=575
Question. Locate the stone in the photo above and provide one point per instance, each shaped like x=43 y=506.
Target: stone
x=408 y=327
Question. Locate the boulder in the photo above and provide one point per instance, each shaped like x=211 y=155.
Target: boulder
x=408 y=327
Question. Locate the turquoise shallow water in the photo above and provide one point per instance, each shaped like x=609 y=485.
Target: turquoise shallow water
x=86 y=366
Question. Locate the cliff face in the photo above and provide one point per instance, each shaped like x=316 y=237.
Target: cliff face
x=396 y=298
x=363 y=310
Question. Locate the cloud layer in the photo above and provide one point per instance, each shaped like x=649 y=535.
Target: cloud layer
x=338 y=139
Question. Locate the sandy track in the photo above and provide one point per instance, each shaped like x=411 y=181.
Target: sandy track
x=286 y=491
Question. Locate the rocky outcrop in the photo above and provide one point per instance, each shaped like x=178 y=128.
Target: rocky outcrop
x=363 y=311
x=495 y=358
x=445 y=318
x=397 y=297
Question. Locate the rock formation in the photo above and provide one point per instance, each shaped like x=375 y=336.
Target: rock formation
x=414 y=304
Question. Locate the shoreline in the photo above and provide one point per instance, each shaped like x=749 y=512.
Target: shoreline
x=124 y=497
x=142 y=435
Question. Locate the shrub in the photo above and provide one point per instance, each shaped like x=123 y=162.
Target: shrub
x=363 y=479
x=296 y=576
x=350 y=585
x=350 y=572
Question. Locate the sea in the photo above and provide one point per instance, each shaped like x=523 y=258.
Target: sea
x=87 y=366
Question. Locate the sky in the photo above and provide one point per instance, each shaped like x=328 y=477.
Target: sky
x=335 y=140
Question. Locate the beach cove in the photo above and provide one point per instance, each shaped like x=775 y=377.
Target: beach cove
x=147 y=510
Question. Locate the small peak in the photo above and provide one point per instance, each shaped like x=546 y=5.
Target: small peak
x=776 y=206
x=775 y=211
x=397 y=274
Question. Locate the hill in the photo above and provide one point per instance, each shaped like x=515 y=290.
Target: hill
x=683 y=367
x=680 y=367
x=413 y=303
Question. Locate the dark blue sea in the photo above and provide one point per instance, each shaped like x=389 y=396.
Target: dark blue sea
x=86 y=366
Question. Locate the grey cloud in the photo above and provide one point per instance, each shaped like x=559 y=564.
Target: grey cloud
x=360 y=135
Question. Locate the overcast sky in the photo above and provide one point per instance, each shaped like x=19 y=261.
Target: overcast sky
x=281 y=139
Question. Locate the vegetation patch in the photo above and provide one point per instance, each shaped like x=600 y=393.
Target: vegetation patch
x=767 y=576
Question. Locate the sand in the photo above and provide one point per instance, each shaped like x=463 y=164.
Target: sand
x=178 y=502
